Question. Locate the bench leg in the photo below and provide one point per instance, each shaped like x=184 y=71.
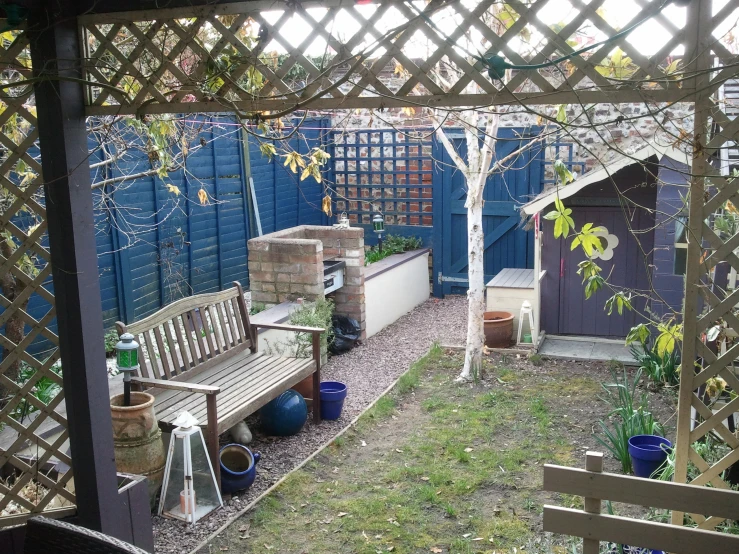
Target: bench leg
x=317 y=396
x=211 y=438
x=317 y=378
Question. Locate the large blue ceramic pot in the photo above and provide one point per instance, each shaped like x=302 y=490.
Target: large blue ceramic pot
x=238 y=468
x=285 y=415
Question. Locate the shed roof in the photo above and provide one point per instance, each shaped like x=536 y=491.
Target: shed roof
x=606 y=171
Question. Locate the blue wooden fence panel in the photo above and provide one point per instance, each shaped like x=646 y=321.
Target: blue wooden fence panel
x=283 y=200
x=507 y=244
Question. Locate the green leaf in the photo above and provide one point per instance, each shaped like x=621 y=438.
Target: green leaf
x=561 y=114
x=593 y=284
x=640 y=333
x=563 y=173
x=268 y=150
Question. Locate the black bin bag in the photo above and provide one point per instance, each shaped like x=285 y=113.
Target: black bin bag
x=346 y=334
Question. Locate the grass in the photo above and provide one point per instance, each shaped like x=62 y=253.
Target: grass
x=451 y=468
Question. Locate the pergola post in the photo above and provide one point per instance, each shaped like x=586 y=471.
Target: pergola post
x=63 y=140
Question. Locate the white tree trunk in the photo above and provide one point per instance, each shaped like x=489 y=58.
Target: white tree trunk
x=476 y=293
x=476 y=171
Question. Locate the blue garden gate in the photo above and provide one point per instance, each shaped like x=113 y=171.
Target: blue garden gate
x=507 y=244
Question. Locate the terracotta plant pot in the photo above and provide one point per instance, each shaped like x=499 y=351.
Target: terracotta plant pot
x=137 y=439
x=498 y=329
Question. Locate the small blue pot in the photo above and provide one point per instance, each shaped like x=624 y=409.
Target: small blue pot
x=648 y=453
x=238 y=467
x=333 y=394
x=637 y=550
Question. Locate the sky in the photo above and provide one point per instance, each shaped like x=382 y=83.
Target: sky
x=648 y=38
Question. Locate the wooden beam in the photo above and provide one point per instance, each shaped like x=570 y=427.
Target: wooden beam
x=644 y=534
x=621 y=96
x=63 y=141
x=642 y=492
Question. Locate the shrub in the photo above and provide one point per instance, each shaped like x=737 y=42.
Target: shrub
x=392 y=244
x=662 y=369
x=629 y=416
x=310 y=314
x=111 y=339
x=44 y=389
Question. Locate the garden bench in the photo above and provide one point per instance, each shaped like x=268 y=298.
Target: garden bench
x=200 y=354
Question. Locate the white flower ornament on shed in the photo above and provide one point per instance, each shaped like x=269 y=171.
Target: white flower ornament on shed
x=611 y=243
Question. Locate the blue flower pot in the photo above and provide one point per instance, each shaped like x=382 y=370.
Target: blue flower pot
x=238 y=467
x=285 y=415
x=648 y=453
x=637 y=550
x=333 y=394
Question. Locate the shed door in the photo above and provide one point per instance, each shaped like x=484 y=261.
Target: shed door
x=627 y=267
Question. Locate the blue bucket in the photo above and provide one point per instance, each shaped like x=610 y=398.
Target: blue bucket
x=648 y=453
x=333 y=394
x=238 y=467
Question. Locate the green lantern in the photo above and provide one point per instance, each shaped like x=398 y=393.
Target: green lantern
x=378 y=223
x=127 y=358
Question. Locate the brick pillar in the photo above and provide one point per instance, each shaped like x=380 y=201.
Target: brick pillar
x=283 y=268
x=350 y=298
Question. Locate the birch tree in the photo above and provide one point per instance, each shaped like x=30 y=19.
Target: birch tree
x=481 y=162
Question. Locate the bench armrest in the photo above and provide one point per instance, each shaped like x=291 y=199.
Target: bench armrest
x=176 y=385
x=283 y=327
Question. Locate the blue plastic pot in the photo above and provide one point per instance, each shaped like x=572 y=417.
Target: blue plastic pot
x=333 y=394
x=637 y=550
x=238 y=467
x=648 y=453
x=285 y=415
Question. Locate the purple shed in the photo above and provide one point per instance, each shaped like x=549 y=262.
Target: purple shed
x=639 y=201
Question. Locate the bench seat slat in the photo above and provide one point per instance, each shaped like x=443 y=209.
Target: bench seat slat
x=267 y=393
x=233 y=394
x=243 y=397
x=231 y=382
x=208 y=377
x=236 y=389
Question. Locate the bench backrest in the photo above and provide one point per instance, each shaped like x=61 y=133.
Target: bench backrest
x=193 y=332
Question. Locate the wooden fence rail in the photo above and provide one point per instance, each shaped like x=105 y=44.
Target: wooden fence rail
x=594 y=527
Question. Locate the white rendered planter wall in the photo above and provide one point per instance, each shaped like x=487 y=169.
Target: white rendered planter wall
x=393 y=287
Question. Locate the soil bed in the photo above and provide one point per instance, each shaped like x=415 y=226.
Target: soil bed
x=437 y=466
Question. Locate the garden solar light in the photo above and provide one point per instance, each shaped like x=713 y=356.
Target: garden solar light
x=378 y=226
x=127 y=358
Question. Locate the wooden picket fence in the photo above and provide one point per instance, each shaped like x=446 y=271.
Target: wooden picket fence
x=594 y=527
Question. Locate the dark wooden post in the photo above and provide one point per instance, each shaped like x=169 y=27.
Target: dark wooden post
x=55 y=52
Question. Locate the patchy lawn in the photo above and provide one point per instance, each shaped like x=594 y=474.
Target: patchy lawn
x=440 y=467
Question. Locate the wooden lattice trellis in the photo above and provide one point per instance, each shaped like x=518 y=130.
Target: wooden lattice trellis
x=211 y=59
x=185 y=60
x=708 y=193
x=24 y=261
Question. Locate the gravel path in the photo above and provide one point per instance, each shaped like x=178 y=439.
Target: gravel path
x=367 y=371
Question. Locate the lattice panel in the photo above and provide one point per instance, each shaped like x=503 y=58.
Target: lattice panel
x=706 y=305
x=335 y=54
x=707 y=418
x=32 y=384
x=384 y=171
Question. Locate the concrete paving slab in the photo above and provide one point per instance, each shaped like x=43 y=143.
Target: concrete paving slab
x=586 y=348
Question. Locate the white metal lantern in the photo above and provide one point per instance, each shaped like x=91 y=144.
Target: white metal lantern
x=190 y=490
